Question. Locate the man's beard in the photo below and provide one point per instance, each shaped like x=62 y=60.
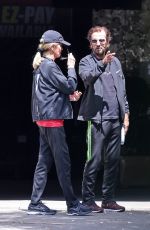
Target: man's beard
x=100 y=52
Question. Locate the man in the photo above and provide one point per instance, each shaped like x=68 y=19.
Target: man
x=51 y=95
x=104 y=105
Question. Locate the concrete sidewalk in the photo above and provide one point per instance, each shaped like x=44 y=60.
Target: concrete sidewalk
x=13 y=216
x=14 y=200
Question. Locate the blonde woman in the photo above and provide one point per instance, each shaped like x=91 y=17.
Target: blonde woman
x=50 y=106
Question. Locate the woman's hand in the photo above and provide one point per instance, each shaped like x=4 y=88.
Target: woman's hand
x=71 y=61
x=75 y=96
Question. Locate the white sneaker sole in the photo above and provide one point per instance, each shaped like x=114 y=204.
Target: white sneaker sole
x=78 y=214
x=112 y=210
x=39 y=213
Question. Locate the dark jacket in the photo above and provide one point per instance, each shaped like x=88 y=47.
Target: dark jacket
x=90 y=71
x=51 y=90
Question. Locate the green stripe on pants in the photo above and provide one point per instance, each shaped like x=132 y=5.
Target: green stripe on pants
x=89 y=140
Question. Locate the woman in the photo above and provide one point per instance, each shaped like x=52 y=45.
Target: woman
x=51 y=104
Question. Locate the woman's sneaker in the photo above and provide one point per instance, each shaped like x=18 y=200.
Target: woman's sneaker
x=40 y=209
x=112 y=206
x=79 y=210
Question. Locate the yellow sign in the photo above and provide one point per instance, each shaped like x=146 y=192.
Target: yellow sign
x=24 y=21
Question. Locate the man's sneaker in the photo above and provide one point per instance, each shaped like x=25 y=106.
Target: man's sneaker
x=40 y=209
x=95 y=208
x=79 y=210
x=112 y=206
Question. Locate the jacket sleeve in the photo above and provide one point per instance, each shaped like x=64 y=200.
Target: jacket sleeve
x=54 y=75
x=126 y=105
x=90 y=70
x=125 y=94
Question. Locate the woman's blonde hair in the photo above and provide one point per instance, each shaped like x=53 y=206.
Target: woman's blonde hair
x=42 y=49
x=46 y=46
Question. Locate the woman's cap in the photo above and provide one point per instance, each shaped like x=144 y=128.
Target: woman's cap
x=51 y=36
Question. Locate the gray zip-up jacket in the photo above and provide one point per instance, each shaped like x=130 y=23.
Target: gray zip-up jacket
x=51 y=90
x=90 y=71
